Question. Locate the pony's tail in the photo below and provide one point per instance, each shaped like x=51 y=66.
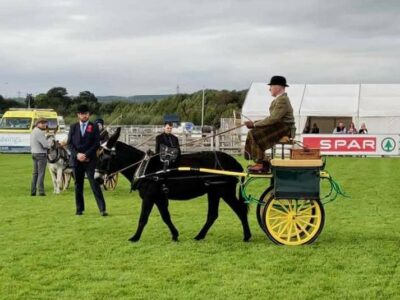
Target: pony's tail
x=241 y=198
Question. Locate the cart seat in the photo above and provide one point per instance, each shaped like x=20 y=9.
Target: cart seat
x=285 y=140
x=300 y=163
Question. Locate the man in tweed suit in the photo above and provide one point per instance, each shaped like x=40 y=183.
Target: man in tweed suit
x=264 y=134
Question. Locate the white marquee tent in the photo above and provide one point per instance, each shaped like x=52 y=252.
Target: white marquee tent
x=378 y=105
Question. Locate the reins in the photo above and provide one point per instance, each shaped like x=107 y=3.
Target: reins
x=214 y=135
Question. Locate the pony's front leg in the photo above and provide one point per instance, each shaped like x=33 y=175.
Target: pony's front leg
x=59 y=180
x=147 y=206
x=53 y=179
x=67 y=179
x=166 y=217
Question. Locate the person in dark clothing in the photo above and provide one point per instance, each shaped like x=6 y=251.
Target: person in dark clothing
x=306 y=129
x=363 y=129
x=315 y=128
x=83 y=142
x=104 y=136
x=167 y=138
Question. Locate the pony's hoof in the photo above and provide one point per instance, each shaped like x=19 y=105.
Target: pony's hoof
x=247 y=238
x=134 y=239
x=199 y=237
x=175 y=239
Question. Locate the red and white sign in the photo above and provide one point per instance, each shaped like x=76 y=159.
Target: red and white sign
x=346 y=144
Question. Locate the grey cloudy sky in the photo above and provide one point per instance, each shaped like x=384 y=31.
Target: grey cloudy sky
x=129 y=47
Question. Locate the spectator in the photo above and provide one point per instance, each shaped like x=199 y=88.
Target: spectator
x=306 y=129
x=315 y=128
x=103 y=131
x=39 y=147
x=167 y=138
x=352 y=129
x=363 y=129
x=340 y=129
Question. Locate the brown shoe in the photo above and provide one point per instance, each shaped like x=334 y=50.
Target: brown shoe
x=257 y=168
x=260 y=168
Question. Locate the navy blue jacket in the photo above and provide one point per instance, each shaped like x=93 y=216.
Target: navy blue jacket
x=87 y=144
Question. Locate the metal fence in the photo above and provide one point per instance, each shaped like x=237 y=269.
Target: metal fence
x=143 y=137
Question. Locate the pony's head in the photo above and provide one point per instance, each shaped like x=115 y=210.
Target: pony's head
x=51 y=139
x=115 y=156
x=105 y=158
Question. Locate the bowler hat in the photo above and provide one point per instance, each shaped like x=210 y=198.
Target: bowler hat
x=40 y=120
x=278 y=80
x=83 y=108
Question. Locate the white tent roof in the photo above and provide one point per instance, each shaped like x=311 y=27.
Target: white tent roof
x=379 y=100
x=258 y=99
x=365 y=100
x=330 y=100
x=374 y=103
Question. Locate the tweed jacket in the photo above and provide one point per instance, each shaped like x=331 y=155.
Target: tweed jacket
x=280 y=111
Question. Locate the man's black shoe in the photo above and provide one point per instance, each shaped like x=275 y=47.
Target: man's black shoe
x=79 y=213
x=42 y=194
x=33 y=194
x=104 y=213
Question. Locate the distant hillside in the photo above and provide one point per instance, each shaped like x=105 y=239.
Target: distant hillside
x=132 y=99
x=217 y=105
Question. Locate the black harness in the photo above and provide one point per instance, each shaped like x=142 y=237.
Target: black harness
x=60 y=153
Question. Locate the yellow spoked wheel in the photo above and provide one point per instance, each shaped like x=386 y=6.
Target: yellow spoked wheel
x=265 y=197
x=110 y=182
x=293 y=222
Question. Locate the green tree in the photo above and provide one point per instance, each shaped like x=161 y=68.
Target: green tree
x=88 y=98
x=56 y=98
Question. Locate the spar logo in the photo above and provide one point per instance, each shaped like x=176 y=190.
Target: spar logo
x=388 y=144
x=342 y=144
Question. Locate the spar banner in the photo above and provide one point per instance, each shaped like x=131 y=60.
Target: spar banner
x=353 y=144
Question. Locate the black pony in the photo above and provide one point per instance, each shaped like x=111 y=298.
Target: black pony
x=158 y=187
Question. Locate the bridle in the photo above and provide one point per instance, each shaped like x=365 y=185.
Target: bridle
x=59 y=150
x=102 y=152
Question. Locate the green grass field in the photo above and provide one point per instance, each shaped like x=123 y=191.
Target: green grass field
x=46 y=252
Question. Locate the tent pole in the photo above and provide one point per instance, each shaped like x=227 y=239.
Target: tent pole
x=358 y=106
x=301 y=103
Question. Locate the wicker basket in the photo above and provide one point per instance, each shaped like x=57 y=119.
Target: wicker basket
x=305 y=153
